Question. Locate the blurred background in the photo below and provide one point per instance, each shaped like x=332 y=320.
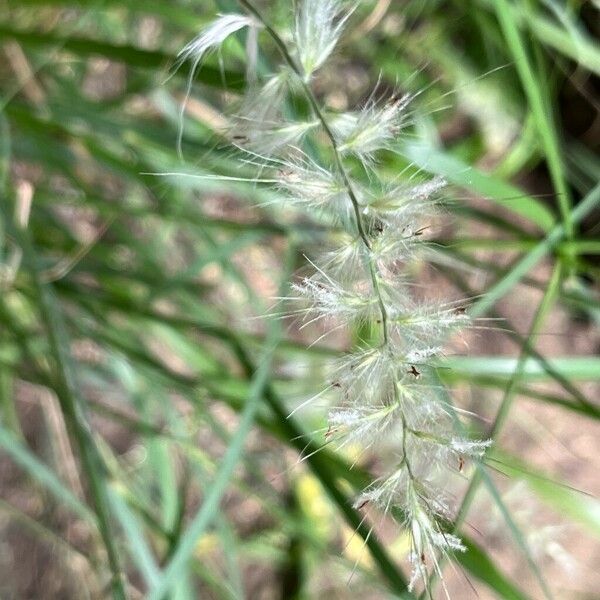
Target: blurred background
x=132 y=306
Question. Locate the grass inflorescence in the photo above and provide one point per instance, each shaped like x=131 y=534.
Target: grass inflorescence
x=160 y=437
x=388 y=401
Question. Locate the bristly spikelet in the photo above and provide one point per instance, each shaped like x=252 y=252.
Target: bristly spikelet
x=260 y=124
x=212 y=36
x=209 y=39
x=374 y=128
x=267 y=99
x=319 y=24
x=315 y=188
x=401 y=203
x=331 y=300
x=388 y=398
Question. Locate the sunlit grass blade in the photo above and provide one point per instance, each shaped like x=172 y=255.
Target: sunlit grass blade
x=539 y=106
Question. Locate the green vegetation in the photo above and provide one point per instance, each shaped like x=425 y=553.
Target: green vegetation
x=146 y=445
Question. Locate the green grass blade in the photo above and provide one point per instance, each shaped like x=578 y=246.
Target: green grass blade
x=463 y=175
x=138 y=548
x=573 y=368
x=71 y=406
x=175 y=14
x=514 y=529
x=539 y=107
x=153 y=60
x=479 y=564
x=203 y=518
x=506 y=283
x=568 y=502
x=501 y=417
x=582 y=48
x=41 y=473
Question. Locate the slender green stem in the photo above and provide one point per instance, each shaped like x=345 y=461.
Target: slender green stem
x=511 y=389
x=540 y=110
x=71 y=408
x=521 y=268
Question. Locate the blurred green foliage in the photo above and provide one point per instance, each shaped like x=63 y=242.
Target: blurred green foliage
x=131 y=297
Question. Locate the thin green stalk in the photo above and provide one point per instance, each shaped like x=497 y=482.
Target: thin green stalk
x=519 y=270
x=204 y=517
x=71 y=407
x=510 y=393
x=544 y=120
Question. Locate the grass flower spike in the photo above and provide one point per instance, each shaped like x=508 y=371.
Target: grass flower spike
x=387 y=397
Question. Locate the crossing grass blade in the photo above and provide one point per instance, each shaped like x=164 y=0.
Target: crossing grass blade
x=44 y=475
x=478 y=564
x=541 y=111
x=506 y=283
x=66 y=390
x=210 y=506
x=579 y=505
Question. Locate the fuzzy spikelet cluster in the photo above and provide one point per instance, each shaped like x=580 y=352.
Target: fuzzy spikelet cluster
x=319 y=24
x=388 y=398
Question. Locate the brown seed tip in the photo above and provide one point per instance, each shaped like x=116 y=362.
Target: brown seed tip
x=413 y=371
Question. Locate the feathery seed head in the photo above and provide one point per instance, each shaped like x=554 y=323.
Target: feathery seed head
x=387 y=396
x=424 y=323
x=311 y=186
x=319 y=25
x=475 y=448
x=419 y=355
x=213 y=35
x=264 y=101
x=405 y=203
x=260 y=124
x=329 y=299
x=344 y=259
x=372 y=129
x=268 y=138
x=365 y=424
